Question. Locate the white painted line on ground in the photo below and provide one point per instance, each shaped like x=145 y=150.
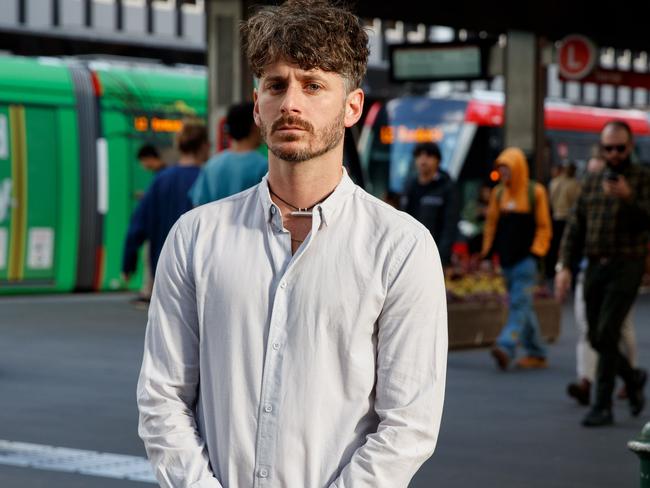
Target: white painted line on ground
x=78 y=461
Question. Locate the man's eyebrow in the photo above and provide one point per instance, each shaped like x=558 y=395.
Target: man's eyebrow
x=274 y=78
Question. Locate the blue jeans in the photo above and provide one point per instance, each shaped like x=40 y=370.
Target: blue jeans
x=522 y=326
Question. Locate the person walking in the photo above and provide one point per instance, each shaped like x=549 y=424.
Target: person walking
x=518 y=230
x=237 y=168
x=297 y=333
x=431 y=198
x=166 y=199
x=586 y=357
x=609 y=226
x=563 y=193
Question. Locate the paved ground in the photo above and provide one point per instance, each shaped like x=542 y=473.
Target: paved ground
x=68 y=369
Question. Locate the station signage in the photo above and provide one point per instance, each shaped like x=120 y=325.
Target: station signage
x=577 y=57
x=156 y=124
x=446 y=61
x=578 y=61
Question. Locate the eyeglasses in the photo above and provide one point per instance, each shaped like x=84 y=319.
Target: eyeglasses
x=614 y=147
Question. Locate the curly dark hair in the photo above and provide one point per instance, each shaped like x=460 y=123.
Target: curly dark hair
x=310 y=33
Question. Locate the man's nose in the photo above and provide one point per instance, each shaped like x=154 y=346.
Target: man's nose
x=291 y=102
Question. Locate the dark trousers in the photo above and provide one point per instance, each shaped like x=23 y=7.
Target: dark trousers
x=611 y=286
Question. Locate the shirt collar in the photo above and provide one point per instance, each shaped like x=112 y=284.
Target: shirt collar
x=327 y=208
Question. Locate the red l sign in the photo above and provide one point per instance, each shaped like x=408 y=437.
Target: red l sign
x=576 y=57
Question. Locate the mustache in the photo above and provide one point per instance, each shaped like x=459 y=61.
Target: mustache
x=294 y=121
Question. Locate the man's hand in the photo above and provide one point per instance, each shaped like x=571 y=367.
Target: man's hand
x=618 y=188
x=562 y=284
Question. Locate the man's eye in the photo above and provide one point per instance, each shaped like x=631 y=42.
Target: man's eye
x=313 y=87
x=275 y=86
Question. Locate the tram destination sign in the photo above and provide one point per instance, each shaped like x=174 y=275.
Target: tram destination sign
x=448 y=61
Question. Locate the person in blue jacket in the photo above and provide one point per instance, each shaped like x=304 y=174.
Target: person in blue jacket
x=166 y=199
x=237 y=168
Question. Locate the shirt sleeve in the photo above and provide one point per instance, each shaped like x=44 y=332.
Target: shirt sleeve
x=169 y=378
x=450 y=223
x=638 y=208
x=411 y=372
x=137 y=233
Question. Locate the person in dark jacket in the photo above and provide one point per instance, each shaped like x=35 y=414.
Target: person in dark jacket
x=431 y=198
x=166 y=199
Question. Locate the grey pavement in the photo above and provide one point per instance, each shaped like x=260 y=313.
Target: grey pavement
x=69 y=364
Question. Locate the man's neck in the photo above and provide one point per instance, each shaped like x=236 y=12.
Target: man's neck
x=306 y=183
x=426 y=179
x=188 y=160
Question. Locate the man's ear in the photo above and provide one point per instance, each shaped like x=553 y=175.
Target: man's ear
x=353 y=107
x=256 y=110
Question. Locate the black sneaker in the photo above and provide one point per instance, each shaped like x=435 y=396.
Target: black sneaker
x=635 y=393
x=598 y=417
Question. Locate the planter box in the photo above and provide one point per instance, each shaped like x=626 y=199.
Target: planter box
x=479 y=324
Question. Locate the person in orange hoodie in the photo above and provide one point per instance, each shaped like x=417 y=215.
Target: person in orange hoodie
x=518 y=228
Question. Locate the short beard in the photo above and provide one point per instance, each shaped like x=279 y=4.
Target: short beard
x=331 y=137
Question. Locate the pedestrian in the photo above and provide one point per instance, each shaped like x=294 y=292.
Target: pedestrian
x=297 y=333
x=150 y=160
x=166 y=199
x=609 y=226
x=563 y=193
x=237 y=168
x=518 y=230
x=431 y=199
x=586 y=357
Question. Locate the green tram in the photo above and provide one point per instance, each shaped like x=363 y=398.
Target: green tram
x=69 y=178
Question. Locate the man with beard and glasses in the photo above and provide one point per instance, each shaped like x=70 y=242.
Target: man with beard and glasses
x=609 y=226
x=297 y=333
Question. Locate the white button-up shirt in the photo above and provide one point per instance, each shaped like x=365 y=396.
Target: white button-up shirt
x=323 y=369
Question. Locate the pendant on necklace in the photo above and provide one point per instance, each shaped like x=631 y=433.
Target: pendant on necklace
x=300 y=213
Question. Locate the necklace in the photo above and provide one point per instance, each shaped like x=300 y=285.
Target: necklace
x=297 y=211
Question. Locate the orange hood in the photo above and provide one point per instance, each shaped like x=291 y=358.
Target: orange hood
x=514 y=159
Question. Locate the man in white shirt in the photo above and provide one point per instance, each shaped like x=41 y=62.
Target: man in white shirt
x=297 y=333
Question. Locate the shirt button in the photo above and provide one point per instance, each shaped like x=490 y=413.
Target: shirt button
x=283 y=285
x=263 y=473
x=268 y=408
x=276 y=346
x=273 y=209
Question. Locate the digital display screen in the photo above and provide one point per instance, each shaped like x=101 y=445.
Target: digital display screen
x=431 y=62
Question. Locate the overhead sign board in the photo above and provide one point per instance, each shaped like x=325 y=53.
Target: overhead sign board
x=578 y=61
x=576 y=57
x=449 y=61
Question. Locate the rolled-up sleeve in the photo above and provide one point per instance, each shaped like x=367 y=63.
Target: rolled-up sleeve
x=411 y=372
x=168 y=382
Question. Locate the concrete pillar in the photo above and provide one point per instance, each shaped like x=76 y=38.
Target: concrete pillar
x=525 y=91
x=225 y=67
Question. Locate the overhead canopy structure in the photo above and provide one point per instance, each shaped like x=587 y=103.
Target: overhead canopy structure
x=621 y=25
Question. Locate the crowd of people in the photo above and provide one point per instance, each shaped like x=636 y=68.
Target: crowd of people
x=535 y=231
x=287 y=300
